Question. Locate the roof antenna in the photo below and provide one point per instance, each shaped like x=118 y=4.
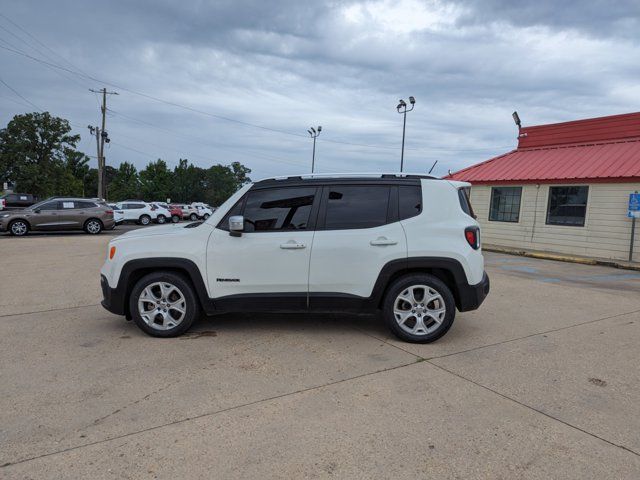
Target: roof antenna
x=432 y=167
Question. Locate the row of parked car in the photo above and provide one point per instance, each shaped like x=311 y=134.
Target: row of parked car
x=94 y=215
x=144 y=213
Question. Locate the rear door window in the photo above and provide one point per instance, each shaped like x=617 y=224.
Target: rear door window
x=67 y=205
x=356 y=206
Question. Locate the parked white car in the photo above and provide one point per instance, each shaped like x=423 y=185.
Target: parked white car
x=163 y=215
x=407 y=245
x=203 y=211
x=136 y=211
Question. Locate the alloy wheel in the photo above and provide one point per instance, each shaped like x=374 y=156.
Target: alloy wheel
x=19 y=228
x=94 y=227
x=162 y=306
x=419 y=310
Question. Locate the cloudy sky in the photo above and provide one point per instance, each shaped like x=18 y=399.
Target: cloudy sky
x=229 y=80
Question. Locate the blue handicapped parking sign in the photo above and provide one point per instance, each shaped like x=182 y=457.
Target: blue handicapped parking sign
x=634 y=205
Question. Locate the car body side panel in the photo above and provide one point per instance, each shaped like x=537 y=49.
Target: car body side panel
x=439 y=230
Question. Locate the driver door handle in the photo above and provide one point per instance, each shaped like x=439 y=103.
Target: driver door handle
x=292 y=245
x=382 y=241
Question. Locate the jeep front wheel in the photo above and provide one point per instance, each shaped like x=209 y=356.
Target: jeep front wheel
x=163 y=304
x=419 y=308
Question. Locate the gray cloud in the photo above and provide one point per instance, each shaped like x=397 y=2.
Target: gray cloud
x=288 y=65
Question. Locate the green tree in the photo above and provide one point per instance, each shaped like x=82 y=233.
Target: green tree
x=188 y=182
x=125 y=183
x=222 y=181
x=156 y=181
x=38 y=152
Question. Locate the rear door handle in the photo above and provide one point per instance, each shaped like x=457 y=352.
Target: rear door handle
x=292 y=245
x=382 y=241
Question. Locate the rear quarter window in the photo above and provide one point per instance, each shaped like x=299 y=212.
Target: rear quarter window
x=409 y=201
x=465 y=203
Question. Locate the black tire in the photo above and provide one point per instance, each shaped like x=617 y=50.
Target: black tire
x=403 y=284
x=206 y=215
x=93 y=226
x=19 y=228
x=144 y=220
x=191 y=305
x=161 y=219
x=175 y=218
x=193 y=217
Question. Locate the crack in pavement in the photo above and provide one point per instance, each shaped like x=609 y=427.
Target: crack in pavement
x=506 y=397
x=203 y=415
x=553 y=330
x=50 y=310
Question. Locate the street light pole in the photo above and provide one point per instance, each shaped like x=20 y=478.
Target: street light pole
x=314 y=134
x=402 y=109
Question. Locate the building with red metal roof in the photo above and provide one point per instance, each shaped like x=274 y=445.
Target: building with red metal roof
x=564 y=189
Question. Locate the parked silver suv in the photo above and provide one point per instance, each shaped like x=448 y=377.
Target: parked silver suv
x=58 y=213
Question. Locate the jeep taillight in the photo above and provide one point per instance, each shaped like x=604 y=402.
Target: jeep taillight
x=472 y=234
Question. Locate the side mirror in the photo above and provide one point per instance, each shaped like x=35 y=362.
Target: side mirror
x=236 y=225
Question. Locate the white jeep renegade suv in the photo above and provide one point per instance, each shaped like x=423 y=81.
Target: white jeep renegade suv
x=407 y=245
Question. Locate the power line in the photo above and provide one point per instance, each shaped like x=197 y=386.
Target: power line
x=18 y=94
x=222 y=117
x=41 y=43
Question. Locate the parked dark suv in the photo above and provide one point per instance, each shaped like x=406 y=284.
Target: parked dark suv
x=17 y=200
x=92 y=216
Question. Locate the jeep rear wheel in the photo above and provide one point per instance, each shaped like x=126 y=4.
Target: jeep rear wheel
x=163 y=304
x=161 y=219
x=419 y=308
x=175 y=218
x=193 y=217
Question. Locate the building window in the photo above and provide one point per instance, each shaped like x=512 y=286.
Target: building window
x=505 y=204
x=567 y=205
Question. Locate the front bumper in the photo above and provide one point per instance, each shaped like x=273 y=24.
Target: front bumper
x=470 y=297
x=112 y=298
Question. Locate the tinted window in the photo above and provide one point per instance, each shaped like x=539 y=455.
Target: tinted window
x=465 y=203
x=67 y=204
x=278 y=209
x=410 y=201
x=49 y=206
x=85 y=205
x=362 y=206
x=567 y=205
x=136 y=206
x=505 y=204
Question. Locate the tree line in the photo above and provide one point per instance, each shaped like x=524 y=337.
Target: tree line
x=38 y=153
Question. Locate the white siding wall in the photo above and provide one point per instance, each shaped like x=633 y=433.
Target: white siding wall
x=606 y=233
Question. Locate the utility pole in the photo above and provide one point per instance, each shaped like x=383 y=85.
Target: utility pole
x=402 y=109
x=314 y=134
x=102 y=137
